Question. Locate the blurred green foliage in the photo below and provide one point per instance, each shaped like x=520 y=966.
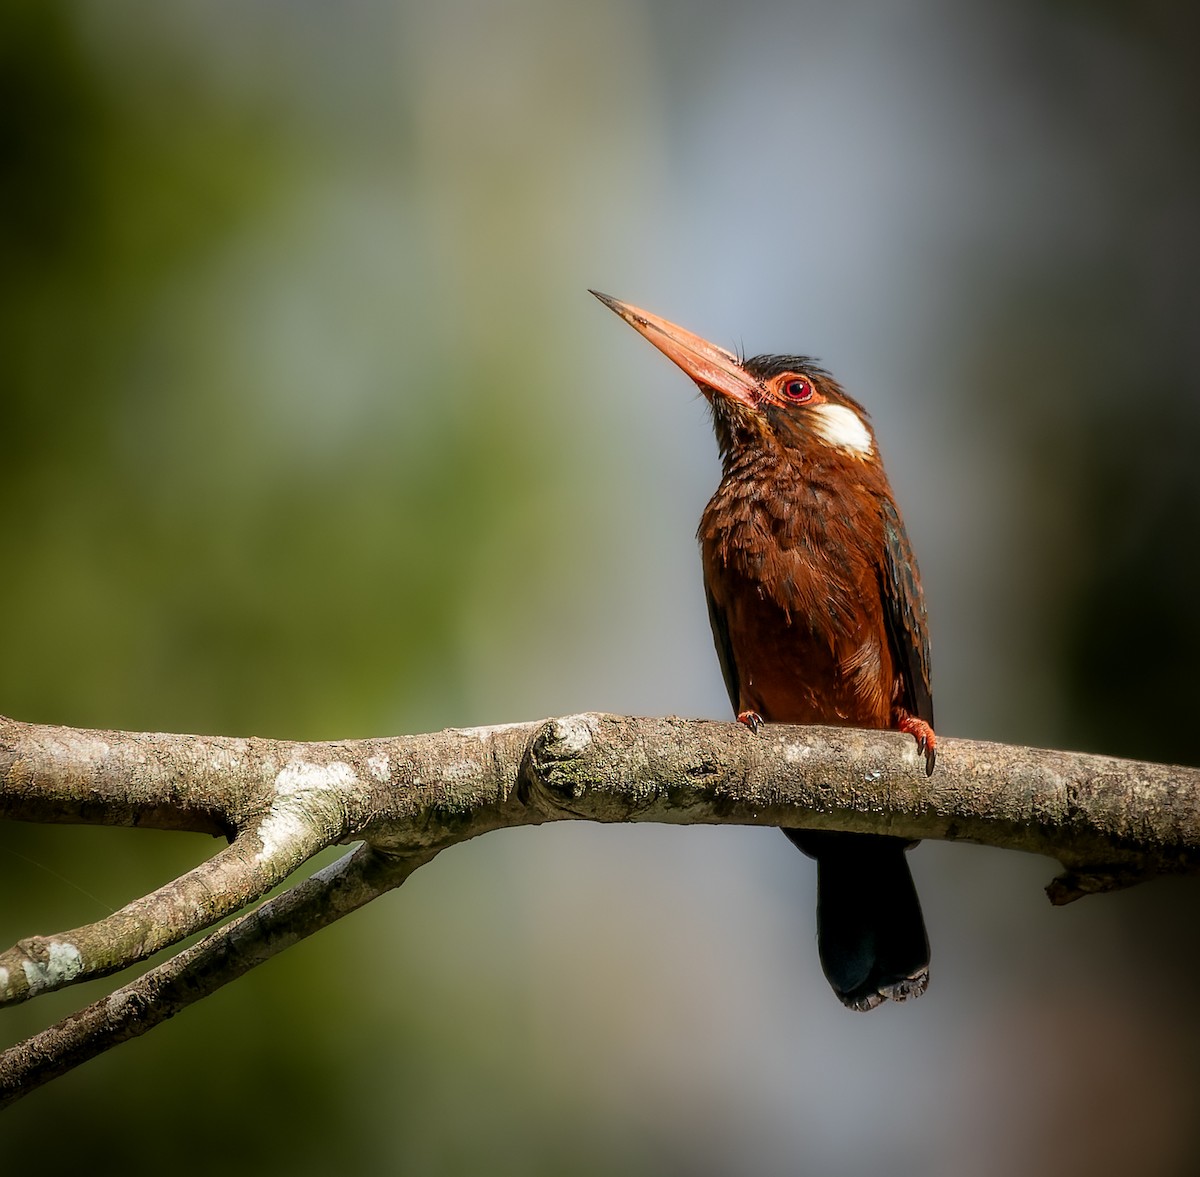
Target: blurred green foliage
x=188 y=554
x=202 y=534
x=310 y=430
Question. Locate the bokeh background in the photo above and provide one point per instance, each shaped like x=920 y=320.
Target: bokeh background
x=311 y=430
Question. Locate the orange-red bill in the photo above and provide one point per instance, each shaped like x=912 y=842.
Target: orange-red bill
x=711 y=367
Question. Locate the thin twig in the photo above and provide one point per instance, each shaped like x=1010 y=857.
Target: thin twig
x=221 y=957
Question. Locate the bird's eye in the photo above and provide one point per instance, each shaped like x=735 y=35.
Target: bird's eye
x=797 y=389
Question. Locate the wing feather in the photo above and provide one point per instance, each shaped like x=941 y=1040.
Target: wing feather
x=720 y=631
x=904 y=616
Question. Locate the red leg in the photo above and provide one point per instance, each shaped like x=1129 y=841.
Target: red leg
x=926 y=740
x=751 y=719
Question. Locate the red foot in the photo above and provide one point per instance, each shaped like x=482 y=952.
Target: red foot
x=926 y=740
x=753 y=720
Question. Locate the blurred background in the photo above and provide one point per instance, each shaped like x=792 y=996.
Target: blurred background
x=311 y=430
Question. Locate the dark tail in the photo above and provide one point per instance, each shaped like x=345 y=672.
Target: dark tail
x=869 y=925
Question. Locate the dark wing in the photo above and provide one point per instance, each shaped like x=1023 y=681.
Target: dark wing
x=904 y=615
x=720 y=629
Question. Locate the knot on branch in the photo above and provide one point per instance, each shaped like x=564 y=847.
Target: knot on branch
x=614 y=768
x=558 y=761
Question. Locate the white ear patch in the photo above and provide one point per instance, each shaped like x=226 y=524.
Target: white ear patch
x=842 y=428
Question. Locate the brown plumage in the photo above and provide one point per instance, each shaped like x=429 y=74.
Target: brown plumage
x=817 y=617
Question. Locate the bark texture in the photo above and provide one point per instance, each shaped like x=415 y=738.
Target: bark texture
x=1110 y=822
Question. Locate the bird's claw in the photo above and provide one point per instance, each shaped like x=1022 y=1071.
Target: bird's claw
x=924 y=735
x=751 y=719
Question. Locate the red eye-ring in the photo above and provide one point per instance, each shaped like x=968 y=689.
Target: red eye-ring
x=798 y=389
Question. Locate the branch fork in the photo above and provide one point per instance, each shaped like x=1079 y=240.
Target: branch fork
x=1111 y=823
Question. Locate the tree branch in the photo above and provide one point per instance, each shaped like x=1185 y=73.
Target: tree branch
x=194 y=973
x=1110 y=823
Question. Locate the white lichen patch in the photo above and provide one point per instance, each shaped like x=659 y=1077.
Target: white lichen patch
x=574 y=733
x=794 y=753
x=307 y=797
x=380 y=766
x=63 y=963
x=460 y=770
x=225 y=759
x=77 y=746
x=115 y=1004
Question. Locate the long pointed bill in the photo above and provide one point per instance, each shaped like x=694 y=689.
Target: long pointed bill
x=711 y=367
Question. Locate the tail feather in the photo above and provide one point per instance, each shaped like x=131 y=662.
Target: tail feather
x=870 y=930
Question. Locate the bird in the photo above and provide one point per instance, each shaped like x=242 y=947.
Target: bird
x=817 y=616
